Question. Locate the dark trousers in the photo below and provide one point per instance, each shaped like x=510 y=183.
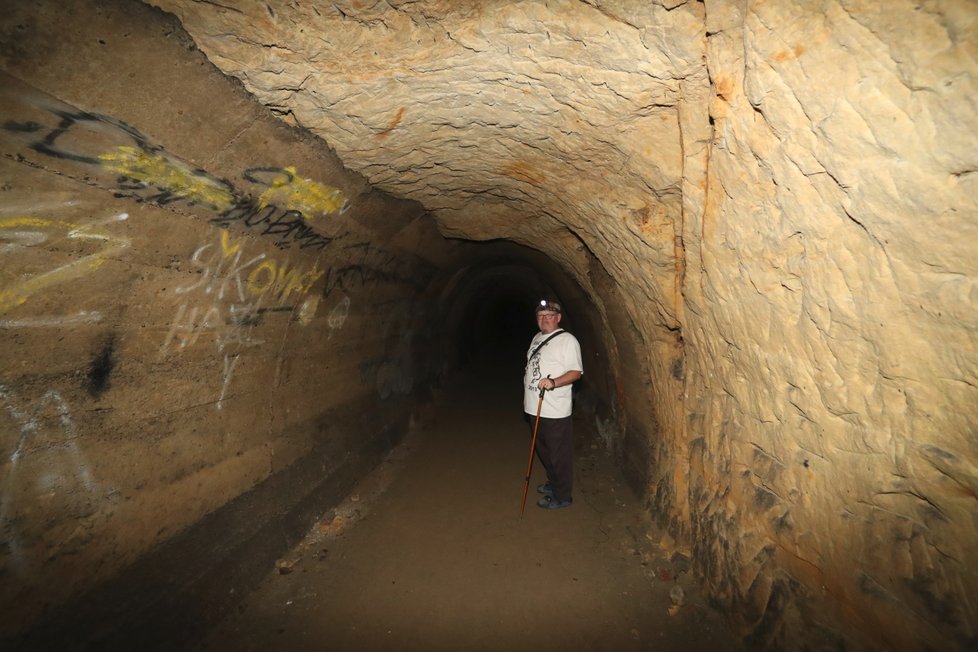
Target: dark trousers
x=555 y=448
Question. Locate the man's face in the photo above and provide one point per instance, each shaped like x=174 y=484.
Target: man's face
x=547 y=321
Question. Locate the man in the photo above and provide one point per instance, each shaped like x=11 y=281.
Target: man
x=553 y=363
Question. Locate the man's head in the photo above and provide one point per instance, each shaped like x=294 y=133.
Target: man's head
x=548 y=316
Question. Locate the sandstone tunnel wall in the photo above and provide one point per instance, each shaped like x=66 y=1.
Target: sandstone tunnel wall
x=771 y=208
x=768 y=207
x=196 y=301
x=831 y=335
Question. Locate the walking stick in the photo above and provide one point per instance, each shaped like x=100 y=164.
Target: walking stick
x=529 y=465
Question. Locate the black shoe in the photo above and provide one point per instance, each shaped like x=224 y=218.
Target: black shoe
x=549 y=502
x=545 y=489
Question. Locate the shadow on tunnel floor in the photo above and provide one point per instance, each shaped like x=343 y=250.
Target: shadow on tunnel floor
x=429 y=552
x=426 y=552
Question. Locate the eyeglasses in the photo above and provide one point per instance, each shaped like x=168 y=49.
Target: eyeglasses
x=544 y=315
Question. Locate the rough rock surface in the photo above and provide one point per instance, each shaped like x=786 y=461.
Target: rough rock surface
x=833 y=376
x=782 y=198
x=767 y=212
x=519 y=120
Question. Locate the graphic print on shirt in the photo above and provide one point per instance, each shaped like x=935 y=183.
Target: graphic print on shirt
x=535 y=374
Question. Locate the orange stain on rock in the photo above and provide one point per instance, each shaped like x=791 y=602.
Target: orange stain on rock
x=789 y=55
x=393 y=123
x=523 y=172
x=725 y=87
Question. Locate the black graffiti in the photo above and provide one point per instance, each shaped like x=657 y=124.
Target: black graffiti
x=98 y=380
x=255 y=175
x=63 y=142
x=369 y=263
x=142 y=191
x=289 y=225
x=28 y=127
x=377 y=258
x=344 y=278
x=349 y=276
x=56 y=142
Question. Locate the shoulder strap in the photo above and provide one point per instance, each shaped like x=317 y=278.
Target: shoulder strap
x=543 y=343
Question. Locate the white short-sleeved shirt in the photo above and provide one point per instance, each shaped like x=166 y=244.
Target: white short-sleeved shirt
x=557 y=357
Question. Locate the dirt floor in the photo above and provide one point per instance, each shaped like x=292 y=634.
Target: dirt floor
x=430 y=553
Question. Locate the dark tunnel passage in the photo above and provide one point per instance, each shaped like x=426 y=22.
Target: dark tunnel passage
x=494 y=323
x=487 y=314
x=489 y=307
x=173 y=596
x=248 y=250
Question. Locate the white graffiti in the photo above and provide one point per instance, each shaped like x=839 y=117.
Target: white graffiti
x=228 y=301
x=32 y=206
x=43 y=467
x=229 y=366
x=23 y=232
x=224 y=310
x=223 y=269
x=337 y=316
x=307 y=311
x=80 y=317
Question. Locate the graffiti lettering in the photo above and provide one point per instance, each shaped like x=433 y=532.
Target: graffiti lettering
x=285 y=188
x=65 y=141
x=16 y=232
x=228 y=300
x=223 y=268
x=346 y=277
x=337 y=316
x=266 y=278
x=277 y=280
x=139 y=170
x=374 y=265
x=144 y=172
x=44 y=460
x=288 y=225
x=186 y=328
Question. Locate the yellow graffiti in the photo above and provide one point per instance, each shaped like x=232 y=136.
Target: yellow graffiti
x=226 y=245
x=19 y=293
x=280 y=281
x=168 y=175
x=306 y=196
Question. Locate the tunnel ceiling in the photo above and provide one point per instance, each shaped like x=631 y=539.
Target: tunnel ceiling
x=534 y=122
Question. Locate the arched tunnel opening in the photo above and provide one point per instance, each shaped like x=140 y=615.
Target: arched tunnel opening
x=488 y=308
x=491 y=316
x=251 y=252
